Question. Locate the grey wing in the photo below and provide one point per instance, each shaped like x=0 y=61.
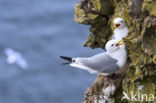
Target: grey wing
x=102 y=63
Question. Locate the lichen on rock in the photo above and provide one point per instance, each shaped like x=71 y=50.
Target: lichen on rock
x=96 y=14
x=140 y=16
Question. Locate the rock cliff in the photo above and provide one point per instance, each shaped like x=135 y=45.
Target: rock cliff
x=140 y=16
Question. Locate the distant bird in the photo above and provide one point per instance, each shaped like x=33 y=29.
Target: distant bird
x=121 y=29
x=15 y=57
x=104 y=63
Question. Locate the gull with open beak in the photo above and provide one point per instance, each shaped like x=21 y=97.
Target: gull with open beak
x=104 y=63
x=121 y=29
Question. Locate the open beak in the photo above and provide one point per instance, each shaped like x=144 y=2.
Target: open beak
x=116 y=25
x=120 y=42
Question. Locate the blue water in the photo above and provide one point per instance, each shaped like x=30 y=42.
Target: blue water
x=42 y=30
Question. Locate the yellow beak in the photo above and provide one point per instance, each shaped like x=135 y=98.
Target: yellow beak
x=120 y=42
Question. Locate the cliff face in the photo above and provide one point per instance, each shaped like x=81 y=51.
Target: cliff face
x=140 y=16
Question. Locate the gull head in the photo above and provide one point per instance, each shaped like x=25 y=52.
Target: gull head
x=114 y=45
x=119 y=23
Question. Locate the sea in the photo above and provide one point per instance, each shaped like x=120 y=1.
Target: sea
x=33 y=34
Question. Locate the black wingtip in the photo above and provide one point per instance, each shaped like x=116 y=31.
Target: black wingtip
x=66 y=58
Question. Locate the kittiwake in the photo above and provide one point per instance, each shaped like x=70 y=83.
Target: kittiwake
x=104 y=63
x=121 y=29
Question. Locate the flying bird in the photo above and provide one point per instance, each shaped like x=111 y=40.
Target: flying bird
x=15 y=57
x=121 y=29
x=104 y=63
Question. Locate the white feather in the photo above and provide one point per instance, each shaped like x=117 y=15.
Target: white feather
x=15 y=57
x=121 y=31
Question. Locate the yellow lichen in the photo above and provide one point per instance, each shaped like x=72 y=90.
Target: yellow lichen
x=154 y=59
x=140 y=42
x=149 y=6
x=82 y=17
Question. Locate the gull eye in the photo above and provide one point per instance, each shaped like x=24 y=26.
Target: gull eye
x=112 y=45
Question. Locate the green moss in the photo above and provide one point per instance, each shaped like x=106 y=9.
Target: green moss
x=96 y=4
x=154 y=59
x=140 y=42
x=150 y=7
x=82 y=17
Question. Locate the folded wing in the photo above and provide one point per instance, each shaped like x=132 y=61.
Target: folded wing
x=102 y=63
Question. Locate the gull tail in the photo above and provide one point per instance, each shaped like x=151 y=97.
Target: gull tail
x=66 y=58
